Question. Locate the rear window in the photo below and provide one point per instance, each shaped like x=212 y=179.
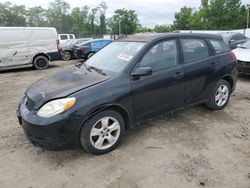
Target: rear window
x=238 y=37
x=63 y=37
x=194 y=49
x=219 y=46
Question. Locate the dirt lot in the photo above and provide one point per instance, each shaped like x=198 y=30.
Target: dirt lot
x=191 y=148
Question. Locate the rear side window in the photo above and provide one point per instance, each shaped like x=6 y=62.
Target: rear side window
x=63 y=37
x=194 y=49
x=219 y=46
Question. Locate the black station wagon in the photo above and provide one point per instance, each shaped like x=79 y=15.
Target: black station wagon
x=128 y=81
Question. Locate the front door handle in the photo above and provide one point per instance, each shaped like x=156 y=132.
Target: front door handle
x=178 y=75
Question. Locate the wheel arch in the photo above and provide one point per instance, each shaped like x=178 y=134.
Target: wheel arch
x=116 y=107
x=230 y=80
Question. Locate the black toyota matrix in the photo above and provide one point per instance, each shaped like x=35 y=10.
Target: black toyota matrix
x=128 y=81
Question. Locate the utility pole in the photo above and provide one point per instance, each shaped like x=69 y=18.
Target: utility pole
x=248 y=7
x=119 y=27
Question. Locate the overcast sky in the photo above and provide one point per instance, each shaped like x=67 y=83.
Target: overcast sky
x=150 y=12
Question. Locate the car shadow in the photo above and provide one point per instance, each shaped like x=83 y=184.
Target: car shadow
x=28 y=69
x=52 y=65
x=157 y=122
x=244 y=77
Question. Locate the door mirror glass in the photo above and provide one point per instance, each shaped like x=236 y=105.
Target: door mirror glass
x=231 y=41
x=142 y=71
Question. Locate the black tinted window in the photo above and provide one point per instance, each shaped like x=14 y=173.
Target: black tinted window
x=63 y=37
x=219 y=46
x=238 y=37
x=194 y=49
x=161 y=56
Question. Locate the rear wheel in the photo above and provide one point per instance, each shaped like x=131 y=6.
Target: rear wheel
x=66 y=56
x=220 y=96
x=41 y=62
x=103 y=132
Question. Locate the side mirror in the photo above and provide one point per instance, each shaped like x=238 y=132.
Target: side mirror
x=239 y=45
x=231 y=41
x=142 y=71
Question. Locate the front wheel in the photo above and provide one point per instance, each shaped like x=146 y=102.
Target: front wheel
x=66 y=56
x=220 y=96
x=103 y=132
x=41 y=62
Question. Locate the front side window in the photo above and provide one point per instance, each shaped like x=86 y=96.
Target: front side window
x=161 y=56
x=219 y=46
x=194 y=49
x=71 y=36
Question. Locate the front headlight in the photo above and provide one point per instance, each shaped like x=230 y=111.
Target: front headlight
x=56 y=107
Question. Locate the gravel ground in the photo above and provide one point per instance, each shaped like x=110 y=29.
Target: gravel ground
x=191 y=148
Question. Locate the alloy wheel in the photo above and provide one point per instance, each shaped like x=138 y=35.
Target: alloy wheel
x=221 y=95
x=105 y=133
x=66 y=56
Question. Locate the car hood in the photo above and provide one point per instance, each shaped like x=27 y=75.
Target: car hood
x=242 y=54
x=62 y=84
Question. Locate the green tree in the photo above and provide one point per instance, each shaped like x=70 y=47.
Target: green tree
x=80 y=20
x=102 y=9
x=58 y=17
x=141 y=29
x=212 y=14
x=183 y=19
x=163 y=28
x=127 y=20
x=36 y=17
x=224 y=14
x=12 y=15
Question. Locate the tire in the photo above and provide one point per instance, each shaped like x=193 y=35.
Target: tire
x=219 y=99
x=66 y=55
x=90 y=55
x=103 y=132
x=41 y=62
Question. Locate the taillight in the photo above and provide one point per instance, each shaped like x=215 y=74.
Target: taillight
x=58 y=45
x=233 y=57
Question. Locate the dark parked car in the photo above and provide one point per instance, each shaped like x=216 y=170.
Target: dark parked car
x=67 y=51
x=87 y=49
x=232 y=39
x=125 y=83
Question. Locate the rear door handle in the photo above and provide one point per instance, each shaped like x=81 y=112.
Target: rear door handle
x=178 y=75
x=213 y=65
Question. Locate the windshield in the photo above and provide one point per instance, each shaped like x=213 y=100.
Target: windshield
x=115 y=56
x=79 y=41
x=83 y=43
x=246 y=44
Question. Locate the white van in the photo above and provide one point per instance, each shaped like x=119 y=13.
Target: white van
x=27 y=47
x=64 y=37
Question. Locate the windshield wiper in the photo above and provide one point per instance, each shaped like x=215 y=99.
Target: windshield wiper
x=96 y=69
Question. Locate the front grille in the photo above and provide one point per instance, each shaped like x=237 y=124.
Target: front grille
x=241 y=63
x=30 y=103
